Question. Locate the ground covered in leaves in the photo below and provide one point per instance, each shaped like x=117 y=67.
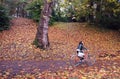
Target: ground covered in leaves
x=19 y=59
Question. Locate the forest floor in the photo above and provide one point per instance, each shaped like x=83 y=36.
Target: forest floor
x=20 y=59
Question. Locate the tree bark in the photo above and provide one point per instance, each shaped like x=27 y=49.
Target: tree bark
x=42 y=30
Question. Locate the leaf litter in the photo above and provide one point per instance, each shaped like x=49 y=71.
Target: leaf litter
x=19 y=59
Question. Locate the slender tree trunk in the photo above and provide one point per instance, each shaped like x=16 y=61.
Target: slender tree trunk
x=42 y=30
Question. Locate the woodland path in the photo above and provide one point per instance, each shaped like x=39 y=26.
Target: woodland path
x=19 y=56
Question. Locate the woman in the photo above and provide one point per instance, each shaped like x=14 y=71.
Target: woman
x=80 y=49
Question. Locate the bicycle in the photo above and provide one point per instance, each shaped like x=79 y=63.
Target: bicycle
x=89 y=59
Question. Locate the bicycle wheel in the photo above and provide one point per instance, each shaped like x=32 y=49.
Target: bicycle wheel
x=75 y=61
x=90 y=60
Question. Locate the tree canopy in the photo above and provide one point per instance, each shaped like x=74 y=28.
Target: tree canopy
x=100 y=12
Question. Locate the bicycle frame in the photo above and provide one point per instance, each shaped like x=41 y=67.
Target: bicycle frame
x=89 y=59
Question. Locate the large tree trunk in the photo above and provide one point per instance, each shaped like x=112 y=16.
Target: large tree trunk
x=42 y=30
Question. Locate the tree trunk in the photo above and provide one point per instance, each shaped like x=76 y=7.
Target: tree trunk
x=42 y=30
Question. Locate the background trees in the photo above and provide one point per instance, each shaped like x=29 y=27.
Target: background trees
x=11 y=8
x=103 y=13
x=35 y=9
x=110 y=14
x=4 y=19
x=100 y=12
x=106 y=13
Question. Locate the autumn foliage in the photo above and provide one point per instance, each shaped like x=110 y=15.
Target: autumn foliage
x=20 y=59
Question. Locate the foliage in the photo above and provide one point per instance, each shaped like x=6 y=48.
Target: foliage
x=63 y=11
x=35 y=42
x=35 y=9
x=110 y=22
x=58 y=13
x=52 y=20
x=111 y=15
x=4 y=19
x=81 y=10
x=13 y=5
x=76 y=10
x=107 y=13
x=57 y=16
